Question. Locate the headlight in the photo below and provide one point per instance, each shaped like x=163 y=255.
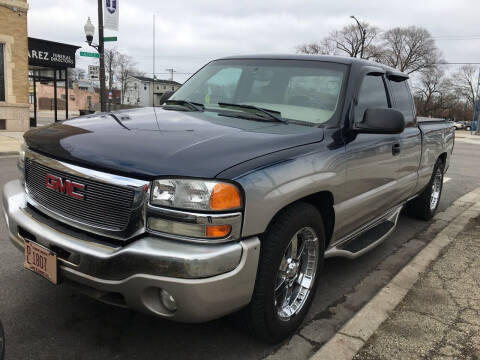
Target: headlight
x=171 y=200
x=196 y=195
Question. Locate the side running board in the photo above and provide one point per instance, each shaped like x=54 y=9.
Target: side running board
x=368 y=238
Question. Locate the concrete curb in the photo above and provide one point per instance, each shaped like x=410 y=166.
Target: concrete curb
x=8 y=153
x=353 y=335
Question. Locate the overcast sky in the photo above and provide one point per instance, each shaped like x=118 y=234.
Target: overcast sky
x=192 y=32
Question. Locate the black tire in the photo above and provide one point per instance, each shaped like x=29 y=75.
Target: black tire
x=420 y=207
x=261 y=314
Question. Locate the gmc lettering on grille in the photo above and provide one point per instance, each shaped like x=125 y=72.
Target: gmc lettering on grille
x=67 y=187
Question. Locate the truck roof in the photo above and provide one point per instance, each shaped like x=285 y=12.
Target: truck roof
x=327 y=58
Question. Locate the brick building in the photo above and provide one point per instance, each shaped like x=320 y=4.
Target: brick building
x=14 y=107
x=82 y=97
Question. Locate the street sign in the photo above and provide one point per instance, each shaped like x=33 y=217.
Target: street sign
x=89 y=54
x=110 y=95
x=110 y=38
x=93 y=72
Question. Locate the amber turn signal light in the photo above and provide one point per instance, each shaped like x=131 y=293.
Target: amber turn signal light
x=217 y=231
x=225 y=197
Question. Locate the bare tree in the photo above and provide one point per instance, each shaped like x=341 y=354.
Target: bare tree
x=431 y=88
x=325 y=47
x=410 y=49
x=125 y=71
x=351 y=38
x=75 y=74
x=111 y=63
x=347 y=41
x=464 y=82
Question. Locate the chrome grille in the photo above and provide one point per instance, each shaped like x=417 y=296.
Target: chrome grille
x=104 y=206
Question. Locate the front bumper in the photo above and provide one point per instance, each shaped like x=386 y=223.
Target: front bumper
x=206 y=281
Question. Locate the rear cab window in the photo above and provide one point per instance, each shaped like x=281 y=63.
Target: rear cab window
x=403 y=100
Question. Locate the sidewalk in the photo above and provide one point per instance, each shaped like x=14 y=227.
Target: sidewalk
x=440 y=316
x=465 y=137
x=10 y=142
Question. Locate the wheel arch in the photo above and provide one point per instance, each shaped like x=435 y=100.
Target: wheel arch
x=323 y=201
x=443 y=159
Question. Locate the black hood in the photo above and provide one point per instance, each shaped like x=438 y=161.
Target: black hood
x=147 y=143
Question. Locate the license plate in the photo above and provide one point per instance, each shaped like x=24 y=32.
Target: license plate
x=41 y=260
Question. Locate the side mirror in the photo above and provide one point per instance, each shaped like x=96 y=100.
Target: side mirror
x=381 y=121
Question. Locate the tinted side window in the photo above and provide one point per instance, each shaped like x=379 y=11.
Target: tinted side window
x=403 y=100
x=372 y=94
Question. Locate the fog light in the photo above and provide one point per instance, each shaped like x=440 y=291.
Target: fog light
x=168 y=301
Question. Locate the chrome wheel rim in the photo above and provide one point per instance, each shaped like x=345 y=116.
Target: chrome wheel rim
x=436 y=189
x=296 y=274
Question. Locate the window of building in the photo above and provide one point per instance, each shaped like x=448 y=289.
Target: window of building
x=3 y=124
x=164 y=87
x=372 y=94
x=2 y=73
x=63 y=97
x=31 y=99
x=403 y=100
x=173 y=88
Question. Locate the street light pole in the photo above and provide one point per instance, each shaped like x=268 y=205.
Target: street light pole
x=101 y=52
x=363 y=34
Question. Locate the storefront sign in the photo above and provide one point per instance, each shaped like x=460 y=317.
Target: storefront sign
x=51 y=54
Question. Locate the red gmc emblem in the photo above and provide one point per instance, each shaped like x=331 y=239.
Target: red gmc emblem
x=66 y=187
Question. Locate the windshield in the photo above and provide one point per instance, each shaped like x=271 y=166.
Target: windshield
x=302 y=91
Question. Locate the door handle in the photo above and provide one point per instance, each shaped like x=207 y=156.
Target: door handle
x=395 y=149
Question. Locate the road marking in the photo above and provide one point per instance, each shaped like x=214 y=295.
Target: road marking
x=446 y=179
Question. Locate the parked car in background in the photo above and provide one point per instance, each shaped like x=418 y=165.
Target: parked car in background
x=467 y=125
x=230 y=196
x=458 y=125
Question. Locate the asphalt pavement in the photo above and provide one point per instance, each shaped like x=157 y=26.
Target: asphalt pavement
x=42 y=321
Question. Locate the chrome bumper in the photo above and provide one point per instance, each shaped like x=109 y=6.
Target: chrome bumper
x=207 y=281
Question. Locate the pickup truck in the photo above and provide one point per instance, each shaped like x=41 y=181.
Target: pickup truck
x=229 y=197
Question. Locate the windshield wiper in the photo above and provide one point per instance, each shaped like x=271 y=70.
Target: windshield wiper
x=192 y=105
x=268 y=112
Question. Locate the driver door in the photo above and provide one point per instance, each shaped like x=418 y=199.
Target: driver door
x=372 y=162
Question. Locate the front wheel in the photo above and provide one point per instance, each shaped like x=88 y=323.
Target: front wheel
x=287 y=278
x=425 y=205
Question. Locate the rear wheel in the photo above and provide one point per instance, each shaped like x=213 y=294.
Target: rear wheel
x=425 y=205
x=287 y=278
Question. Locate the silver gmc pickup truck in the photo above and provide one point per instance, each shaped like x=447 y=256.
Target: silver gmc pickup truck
x=230 y=195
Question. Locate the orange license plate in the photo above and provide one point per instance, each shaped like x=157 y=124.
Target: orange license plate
x=41 y=260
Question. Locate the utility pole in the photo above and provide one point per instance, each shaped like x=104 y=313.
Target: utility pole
x=101 y=52
x=171 y=71
x=363 y=34
x=153 y=61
